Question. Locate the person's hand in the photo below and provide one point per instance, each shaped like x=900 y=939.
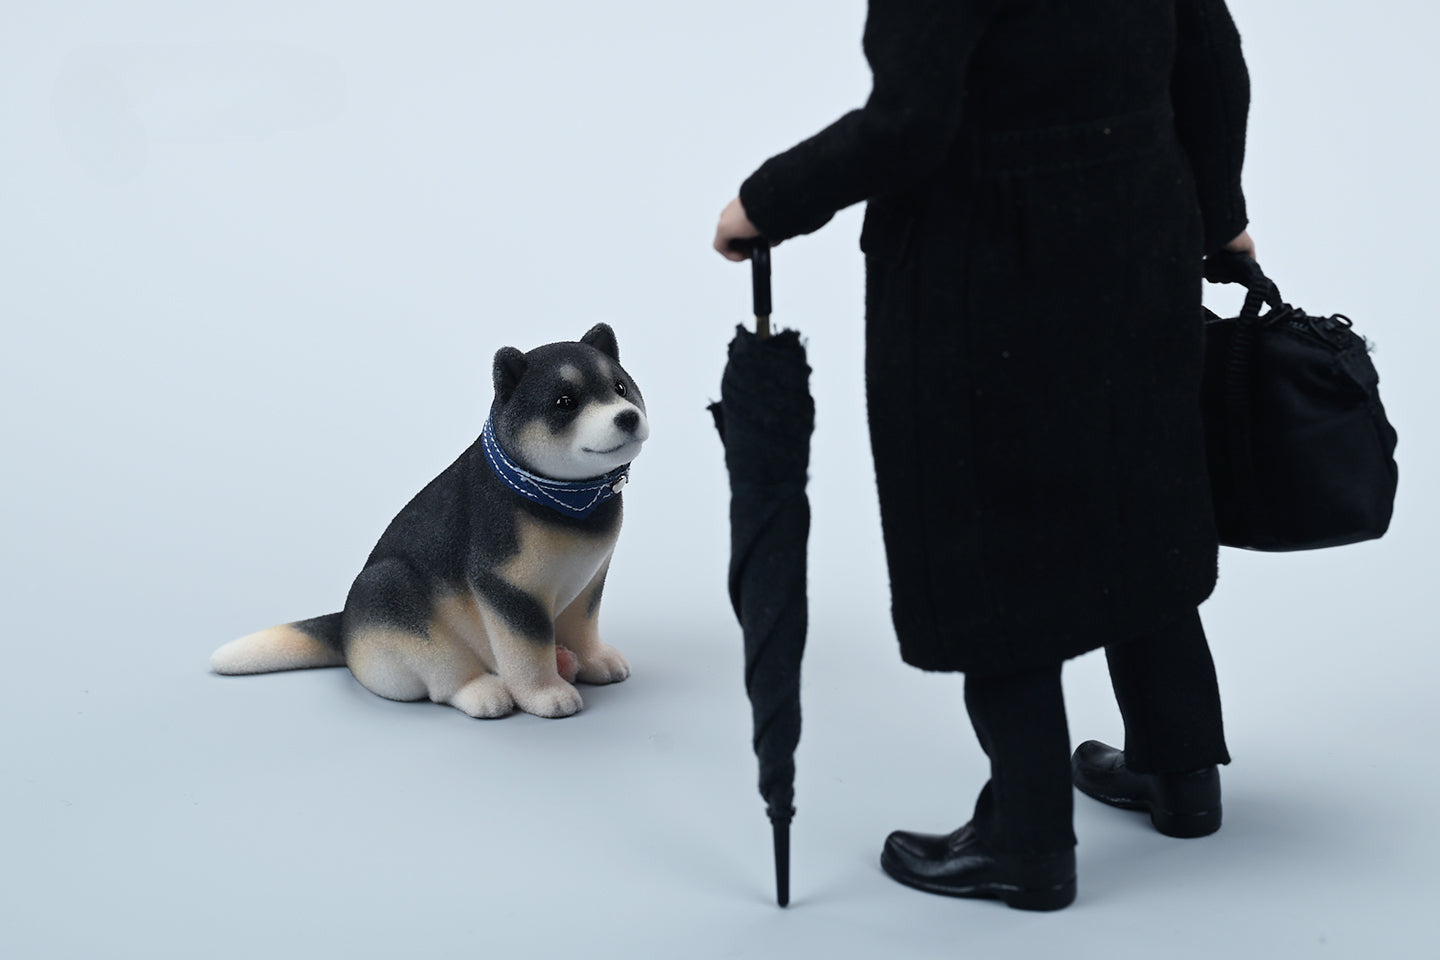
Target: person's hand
x=734 y=225
x=1242 y=244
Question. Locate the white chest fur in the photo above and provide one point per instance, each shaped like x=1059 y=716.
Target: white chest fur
x=555 y=563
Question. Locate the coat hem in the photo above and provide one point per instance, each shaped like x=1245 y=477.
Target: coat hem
x=1028 y=655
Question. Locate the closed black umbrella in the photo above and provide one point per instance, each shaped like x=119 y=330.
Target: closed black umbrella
x=765 y=417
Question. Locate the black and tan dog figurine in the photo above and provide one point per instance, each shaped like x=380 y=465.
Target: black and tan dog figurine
x=484 y=591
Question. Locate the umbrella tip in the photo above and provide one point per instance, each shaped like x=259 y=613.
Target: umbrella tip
x=780 y=823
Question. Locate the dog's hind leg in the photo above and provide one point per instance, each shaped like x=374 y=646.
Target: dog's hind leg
x=405 y=666
x=395 y=649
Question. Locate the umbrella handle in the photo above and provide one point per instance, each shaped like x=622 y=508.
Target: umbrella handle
x=759 y=250
x=760 y=277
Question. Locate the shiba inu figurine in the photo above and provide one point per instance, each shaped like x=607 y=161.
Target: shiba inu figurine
x=487 y=585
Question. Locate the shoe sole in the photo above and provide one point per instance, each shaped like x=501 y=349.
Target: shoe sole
x=1184 y=826
x=1020 y=898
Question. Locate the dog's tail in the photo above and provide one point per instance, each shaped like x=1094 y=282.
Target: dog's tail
x=290 y=646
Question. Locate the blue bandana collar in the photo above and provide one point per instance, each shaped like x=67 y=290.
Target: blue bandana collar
x=573 y=498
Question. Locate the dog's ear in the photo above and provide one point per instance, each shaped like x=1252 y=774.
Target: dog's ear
x=602 y=338
x=509 y=368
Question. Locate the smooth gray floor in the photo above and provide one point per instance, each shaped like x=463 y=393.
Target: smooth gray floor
x=254 y=261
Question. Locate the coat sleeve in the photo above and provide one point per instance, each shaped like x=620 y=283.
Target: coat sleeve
x=919 y=51
x=1211 y=95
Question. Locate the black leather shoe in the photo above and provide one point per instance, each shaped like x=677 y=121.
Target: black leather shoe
x=958 y=865
x=1179 y=804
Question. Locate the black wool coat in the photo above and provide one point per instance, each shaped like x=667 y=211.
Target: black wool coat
x=1044 y=178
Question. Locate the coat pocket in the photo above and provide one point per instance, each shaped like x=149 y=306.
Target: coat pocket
x=886 y=230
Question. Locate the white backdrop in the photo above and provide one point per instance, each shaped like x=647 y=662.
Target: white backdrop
x=254 y=262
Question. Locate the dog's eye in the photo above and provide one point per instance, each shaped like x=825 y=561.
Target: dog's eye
x=565 y=402
x=620 y=388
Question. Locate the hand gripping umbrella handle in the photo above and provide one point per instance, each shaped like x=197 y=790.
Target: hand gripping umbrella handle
x=759 y=250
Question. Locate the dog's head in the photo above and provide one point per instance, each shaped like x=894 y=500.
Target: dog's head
x=568 y=411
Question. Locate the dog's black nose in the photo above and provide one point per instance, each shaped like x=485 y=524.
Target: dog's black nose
x=627 y=420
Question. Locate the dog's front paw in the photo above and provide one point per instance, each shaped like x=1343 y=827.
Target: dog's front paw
x=485 y=697
x=557 y=700
x=603 y=665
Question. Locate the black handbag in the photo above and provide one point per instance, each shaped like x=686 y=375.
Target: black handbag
x=1300 y=452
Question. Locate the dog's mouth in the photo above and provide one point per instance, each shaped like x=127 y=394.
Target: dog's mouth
x=619 y=446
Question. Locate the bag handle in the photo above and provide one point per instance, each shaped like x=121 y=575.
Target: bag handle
x=1226 y=267
x=1238 y=376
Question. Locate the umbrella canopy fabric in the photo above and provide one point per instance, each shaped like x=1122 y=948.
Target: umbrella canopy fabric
x=765 y=417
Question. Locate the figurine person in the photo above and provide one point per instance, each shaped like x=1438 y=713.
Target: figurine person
x=1044 y=178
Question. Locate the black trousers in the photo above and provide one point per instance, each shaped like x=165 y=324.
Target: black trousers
x=1170 y=702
